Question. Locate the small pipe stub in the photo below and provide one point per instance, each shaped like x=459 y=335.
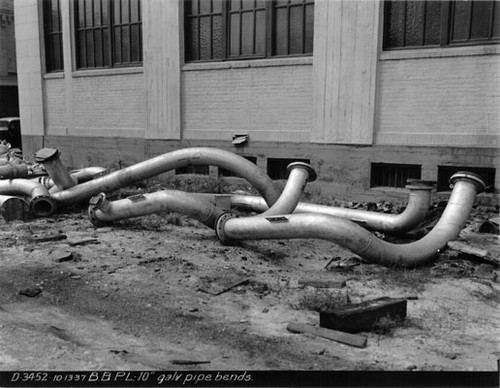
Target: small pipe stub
x=470 y=176
x=415 y=183
x=219 y=227
x=46 y=155
x=94 y=204
x=312 y=172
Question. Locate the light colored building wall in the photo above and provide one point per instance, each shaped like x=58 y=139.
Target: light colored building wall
x=268 y=100
x=29 y=69
x=444 y=97
x=7 y=44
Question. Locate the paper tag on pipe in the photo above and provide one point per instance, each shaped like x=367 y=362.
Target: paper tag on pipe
x=277 y=219
x=137 y=198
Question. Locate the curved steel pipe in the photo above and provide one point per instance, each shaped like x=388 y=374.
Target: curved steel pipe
x=101 y=210
x=414 y=213
x=170 y=161
x=79 y=176
x=357 y=239
x=13 y=170
x=40 y=203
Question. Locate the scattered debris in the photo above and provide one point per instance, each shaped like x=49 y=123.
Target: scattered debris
x=481 y=255
x=83 y=242
x=362 y=316
x=322 y=283
x=189 y=362
x=54 y=237
x=221 y=285
x=31 y=292
x=489 y=226
x=64 y=255
x=358 y=341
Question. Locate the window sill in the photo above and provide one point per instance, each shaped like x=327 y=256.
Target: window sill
x=439 y=52
x=252 y=63
x=107 y=72
x=57 y=75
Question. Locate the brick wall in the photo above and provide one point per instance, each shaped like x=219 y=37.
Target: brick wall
x=268 y=103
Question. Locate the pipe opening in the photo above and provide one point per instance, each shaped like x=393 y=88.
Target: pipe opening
x=42 y=206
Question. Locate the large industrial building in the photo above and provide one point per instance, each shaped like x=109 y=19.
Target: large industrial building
x=369 y=92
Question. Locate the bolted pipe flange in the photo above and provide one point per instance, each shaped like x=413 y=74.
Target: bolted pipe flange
x=95 y=203
x=468 y=176
x=312 y=172
x=219 y=227
x=42 y=206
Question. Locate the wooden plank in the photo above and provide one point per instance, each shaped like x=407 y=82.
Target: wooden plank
x=358 y=341
x=322 y=283
x=361 y=316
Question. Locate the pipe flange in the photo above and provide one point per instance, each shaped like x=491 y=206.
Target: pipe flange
x=469 y=176
x=420 y=183
x=42 y=206
x=93 y=217
x=219 y=227
x=46 y=154
x=312 y=172
x=97 y=201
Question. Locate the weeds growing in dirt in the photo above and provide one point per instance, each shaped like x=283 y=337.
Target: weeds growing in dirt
x=322 y=300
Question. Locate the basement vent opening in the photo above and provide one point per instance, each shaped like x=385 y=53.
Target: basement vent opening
x=445 y=172
x=225 y=173
x=393 y=175
x=276 y=168
x=193 y=169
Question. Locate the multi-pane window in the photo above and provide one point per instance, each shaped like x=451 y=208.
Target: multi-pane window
x=417 y=24
x=247 y=29
x=108 y=33
x=53 y=35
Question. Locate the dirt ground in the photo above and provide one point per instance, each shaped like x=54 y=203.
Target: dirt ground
x=129 y=296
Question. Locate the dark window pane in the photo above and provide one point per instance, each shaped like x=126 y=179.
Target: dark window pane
x=134 y=11
x=106 y=48
x=461 y=20
x=97 y=13
x=98 y=48
x=81 y=55
x=260 y=32
x=205 y=38
x=309 y=29
x=125 y=17
x=117 y=47
x=248 y=4
x=235 y=5
x=192 y=38
x=56 y=45
x=81 y=13
x=205 y=6
x=481 y=15
x=414 y=28
x=218 y=52
x=126 y=44
x=496 y=16
x=432 y=23
x=395 y=12
x=55 y=16
x=296 y=34
x=116 y=12
x=247 y=33
x=135 y=43
x=281 y=39
x=89 y=17
x=90 y=48
x=234 y=44
x=217 y=6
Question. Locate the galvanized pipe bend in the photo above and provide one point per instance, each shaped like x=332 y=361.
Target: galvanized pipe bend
x=171 y=161
x=40 y=202
x=357 y=239
x=414 y=213
x=101 y=210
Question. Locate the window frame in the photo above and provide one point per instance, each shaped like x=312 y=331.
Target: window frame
x=48 y=32
x=270 y=23
x=108 y=44
x=445 y=34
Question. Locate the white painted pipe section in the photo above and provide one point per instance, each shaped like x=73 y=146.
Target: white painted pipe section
x=49 y=157
x=40 y=202
x=418 y=204
x=170 y=161
x=101 y=210
x=357 y=239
